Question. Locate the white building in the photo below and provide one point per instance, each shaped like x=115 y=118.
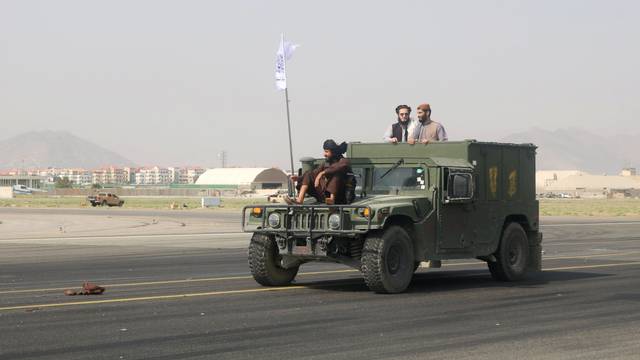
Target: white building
x=190 y=175
x=110 y=175
x=174 y=174
x=546 y=178
x=153 y=176
x=585 y=185
x=251 y=178
x=76 y=176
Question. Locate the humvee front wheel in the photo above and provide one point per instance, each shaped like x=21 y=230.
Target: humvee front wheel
x=512 y=255
x=387 y=260
x=265 y=262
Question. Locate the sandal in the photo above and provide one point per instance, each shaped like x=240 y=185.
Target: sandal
x=290 y=201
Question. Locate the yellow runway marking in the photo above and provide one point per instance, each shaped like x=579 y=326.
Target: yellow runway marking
x=167 y=282
x=591 y=256
x=245 y=291
x=591 y=266
x=311 y=273
x=146 y=298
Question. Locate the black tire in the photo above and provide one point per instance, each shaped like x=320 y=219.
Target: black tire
x=512 y=255
x=264 y=262
x=94 y=204
x=388 y=261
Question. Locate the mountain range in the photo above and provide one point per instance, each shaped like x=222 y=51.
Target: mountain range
x=577 y=149
x=42 y=149
x=562 y=149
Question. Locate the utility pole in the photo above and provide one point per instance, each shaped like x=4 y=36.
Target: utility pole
x=223 y=158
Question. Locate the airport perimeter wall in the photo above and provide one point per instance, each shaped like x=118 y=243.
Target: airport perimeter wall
x=180 y=192
x=6 y=192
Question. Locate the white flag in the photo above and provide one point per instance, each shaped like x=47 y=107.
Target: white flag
x=285 y=52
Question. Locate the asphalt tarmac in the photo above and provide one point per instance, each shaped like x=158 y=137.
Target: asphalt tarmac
x=189 y=295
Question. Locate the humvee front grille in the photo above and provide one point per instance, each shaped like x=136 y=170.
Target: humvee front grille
x=309 y=219
x=302 y=221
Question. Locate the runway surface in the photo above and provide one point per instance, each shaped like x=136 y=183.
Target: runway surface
x=189 y=295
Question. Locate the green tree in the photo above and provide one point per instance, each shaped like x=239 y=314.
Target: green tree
x=63 y=183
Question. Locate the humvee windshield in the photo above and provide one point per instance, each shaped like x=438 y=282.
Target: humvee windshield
x=388 y=181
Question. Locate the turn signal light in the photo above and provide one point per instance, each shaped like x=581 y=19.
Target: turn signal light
x=365 y=212
x=256 y=211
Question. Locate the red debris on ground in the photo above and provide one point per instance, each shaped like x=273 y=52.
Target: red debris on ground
x=87 y=289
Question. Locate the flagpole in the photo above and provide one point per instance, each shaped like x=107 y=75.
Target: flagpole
x=286 y=100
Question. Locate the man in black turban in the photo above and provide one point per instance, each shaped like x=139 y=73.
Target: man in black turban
x=326 y=183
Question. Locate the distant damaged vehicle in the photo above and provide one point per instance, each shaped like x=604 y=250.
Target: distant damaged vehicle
x=413 y=203
x=105 y=199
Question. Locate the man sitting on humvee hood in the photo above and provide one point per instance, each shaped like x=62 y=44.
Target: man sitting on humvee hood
x=326 y=183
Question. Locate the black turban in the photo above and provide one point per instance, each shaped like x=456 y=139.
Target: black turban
x=335 y=148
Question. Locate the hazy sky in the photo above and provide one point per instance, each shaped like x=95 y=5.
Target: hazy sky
x=176 y=82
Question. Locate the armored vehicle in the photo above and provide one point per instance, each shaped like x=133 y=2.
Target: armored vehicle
x=414 y=203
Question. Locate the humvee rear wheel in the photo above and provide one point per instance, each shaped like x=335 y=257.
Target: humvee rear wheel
x=387 y=260
x=512 y=255
x=265 y=262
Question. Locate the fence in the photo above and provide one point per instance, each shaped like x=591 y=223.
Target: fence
x=148 y=192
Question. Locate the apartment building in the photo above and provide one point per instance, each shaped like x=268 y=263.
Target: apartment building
x=190 y=175
x=153 y=176
x=110 y=175
x=76 y=176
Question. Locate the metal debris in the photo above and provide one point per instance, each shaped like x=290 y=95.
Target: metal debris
x=87 y=289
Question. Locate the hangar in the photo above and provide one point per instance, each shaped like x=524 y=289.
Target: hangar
x=253 y=178
x=594 y=186
x=34 y=182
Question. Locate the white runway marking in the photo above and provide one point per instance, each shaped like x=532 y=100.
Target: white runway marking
x=229 y=234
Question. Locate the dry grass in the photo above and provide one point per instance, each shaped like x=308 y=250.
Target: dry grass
x=590 y=207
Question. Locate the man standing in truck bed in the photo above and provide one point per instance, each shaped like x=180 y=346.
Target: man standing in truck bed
x=425 y=129
x=402 y=129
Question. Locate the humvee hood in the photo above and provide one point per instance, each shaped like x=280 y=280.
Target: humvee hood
x=385 y=199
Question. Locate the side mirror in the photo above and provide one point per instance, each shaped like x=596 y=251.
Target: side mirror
x=459 y=187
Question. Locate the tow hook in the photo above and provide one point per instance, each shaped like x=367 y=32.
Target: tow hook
x=323 y=242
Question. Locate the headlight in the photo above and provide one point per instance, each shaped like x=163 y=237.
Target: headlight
x=274 y=220
x=334 y=221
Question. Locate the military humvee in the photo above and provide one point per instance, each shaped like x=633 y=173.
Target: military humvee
x=414 y=203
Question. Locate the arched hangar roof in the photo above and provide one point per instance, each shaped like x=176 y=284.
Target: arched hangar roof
x=241 y=176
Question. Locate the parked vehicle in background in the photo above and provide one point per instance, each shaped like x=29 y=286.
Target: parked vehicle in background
x=105 y=199
x=23 y=189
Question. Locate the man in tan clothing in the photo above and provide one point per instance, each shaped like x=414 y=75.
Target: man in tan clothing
x=425 y=129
